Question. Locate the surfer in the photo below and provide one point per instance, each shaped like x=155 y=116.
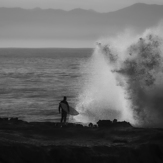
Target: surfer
x=63 y=109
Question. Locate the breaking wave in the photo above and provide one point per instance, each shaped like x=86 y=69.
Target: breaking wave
x=124 y=80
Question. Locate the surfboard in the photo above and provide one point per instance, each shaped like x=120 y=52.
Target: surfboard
x=72 y=111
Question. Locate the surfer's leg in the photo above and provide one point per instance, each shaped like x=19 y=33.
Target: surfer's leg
x=65 y=116
x=62 y=117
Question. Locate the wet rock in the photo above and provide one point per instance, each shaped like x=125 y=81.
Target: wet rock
x=115 y=123
x=90 y=125
x=104 y=123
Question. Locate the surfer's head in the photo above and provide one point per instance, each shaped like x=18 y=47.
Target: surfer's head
x=64 y=98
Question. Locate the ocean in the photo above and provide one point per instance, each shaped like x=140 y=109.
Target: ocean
x=34 y=81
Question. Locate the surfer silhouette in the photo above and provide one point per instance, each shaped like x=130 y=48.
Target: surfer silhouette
x=63 y=109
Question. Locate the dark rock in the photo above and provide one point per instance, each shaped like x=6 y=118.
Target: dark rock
x=4 y=119
x=47 y=142
x=123 y=124
x=15 y=120
x=115 y=121
x=108 y=123
x=90 y=125
x=104 y=123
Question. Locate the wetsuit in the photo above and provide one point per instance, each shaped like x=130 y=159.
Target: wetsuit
x=63 y=112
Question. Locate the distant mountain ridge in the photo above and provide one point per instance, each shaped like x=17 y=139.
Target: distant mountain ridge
x=75 y=25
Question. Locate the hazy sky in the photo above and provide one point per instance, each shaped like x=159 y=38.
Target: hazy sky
x=25 y=31
x=98 y=5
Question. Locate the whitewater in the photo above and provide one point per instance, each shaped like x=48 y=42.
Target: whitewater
x=124 y=80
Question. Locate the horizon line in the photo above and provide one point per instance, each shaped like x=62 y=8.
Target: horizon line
x=46 y=47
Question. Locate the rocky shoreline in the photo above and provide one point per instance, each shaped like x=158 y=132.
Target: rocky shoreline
x=45 y=142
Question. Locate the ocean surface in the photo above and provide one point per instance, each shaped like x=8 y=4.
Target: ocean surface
x=33 y=81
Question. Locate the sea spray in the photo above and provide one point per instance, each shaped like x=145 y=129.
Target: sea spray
x=124 y=80
x=102 y=95
x=144 y=70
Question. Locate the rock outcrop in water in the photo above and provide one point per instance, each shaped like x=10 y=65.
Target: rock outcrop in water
x=45 y=142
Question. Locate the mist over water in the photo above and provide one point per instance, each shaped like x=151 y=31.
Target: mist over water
x=124 y=80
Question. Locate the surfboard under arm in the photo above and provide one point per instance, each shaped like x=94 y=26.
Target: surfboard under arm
x=72 y=111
